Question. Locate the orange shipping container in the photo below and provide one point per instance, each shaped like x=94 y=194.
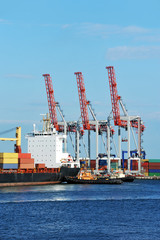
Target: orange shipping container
x=26 y=166
x=26 y=161
x=40 y=165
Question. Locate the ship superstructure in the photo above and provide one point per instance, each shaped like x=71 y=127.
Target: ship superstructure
x=46 y=147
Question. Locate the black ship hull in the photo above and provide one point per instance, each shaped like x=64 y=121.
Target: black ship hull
x=68 y=172
x=75 y=180
x=128 y=179
x=13 y=179
x=36 y=178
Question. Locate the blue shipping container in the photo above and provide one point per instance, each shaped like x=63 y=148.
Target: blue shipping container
x=9 y=166
x=102 y=162
x=154 y=170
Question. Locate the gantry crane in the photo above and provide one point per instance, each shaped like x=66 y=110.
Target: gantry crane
x=95 y=125
x=123 y=121
x=53 y=105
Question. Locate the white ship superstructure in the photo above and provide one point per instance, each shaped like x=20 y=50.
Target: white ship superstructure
x=47 y=147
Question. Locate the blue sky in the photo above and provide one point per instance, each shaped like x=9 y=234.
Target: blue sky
x=64 y=36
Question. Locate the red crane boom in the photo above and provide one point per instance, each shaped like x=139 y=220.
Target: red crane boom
x=51 y=100
x=115 y=98
x=52 y=104
x=83 y=101
x=84 y=107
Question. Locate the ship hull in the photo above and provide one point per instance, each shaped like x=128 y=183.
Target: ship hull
x=68 y=172
x=32 y=178
x=74 y=180
x=128 y=179
x=36 y=178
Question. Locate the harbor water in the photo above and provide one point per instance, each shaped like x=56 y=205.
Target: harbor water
x=82 y=212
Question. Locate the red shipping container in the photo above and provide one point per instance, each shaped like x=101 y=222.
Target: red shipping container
x=154 y=165
x=93 y=164
x=113 y=160
x=26 y=161
x=144 y=164
x=125 y=163
x=40 y=165
x=24 y=155
x=134 y=165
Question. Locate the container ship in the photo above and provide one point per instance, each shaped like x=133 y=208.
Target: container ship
x=45 y=162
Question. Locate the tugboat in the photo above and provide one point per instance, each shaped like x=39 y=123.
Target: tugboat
x=124 y=177
x=86 y=177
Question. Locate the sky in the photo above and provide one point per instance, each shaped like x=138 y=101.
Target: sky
x=61 y=37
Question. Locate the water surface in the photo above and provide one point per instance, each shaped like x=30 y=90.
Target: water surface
x=82 y=212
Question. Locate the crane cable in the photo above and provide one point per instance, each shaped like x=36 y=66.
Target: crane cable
x=7 y=131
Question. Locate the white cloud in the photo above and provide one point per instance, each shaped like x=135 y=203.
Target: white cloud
x=67 y=26
x=134 y=29
x=12 y=121
x=96 y=29
x=19 y=76
x=107 y=30
x=136 y=33
x=152 y=116
x=128 y=52
x=3 y=21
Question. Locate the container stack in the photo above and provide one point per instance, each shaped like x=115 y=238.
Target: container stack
x=154 y=167
x=134 y=165
x=114 y=164
x=102 y=164
x=145 y=167
x=83 y=163
x=25 y=161
x=9 y=160
x=124 y=164
x=93 y=164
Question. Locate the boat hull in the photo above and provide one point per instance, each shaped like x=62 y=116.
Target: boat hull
x=74 y=180
x=30 y=178
x=128 y=179
x=36 y=178
x=68 y=172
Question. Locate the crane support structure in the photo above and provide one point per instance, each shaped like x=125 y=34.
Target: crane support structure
x=84 y=112
x=97 y=126
x=124 y=121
